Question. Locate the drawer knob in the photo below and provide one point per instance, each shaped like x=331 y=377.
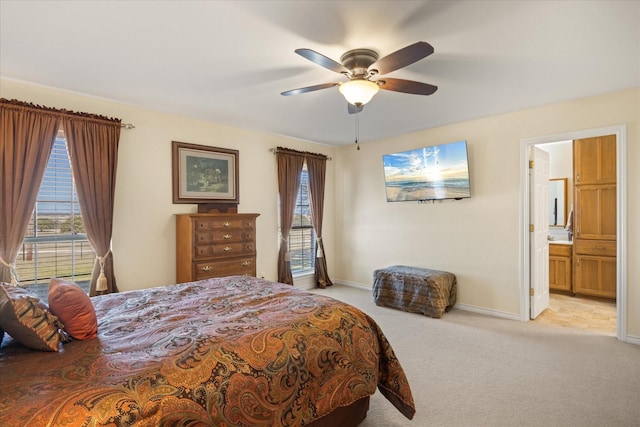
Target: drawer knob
x=227 y=248
x=226 y=236
x=246 y=263
x=227 y=224
x=206 y=268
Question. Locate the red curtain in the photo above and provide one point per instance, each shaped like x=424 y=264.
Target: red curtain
x=27 y=135
x=317 y=170
x=289 y=168
x=290 y=164
x=93 y=149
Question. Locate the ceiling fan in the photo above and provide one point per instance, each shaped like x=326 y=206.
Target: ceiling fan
x=361 y=65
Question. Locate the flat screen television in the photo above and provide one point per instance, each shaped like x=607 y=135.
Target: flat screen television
x=438 y=172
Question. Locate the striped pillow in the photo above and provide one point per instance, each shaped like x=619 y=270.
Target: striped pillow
x=28 y=320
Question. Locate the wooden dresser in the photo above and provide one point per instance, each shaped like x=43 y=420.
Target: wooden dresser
x=215 y=245
x=594 y=246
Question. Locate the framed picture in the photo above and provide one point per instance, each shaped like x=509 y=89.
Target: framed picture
x=203 y=174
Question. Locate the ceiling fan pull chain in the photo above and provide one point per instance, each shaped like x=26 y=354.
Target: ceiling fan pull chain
x=357 y=129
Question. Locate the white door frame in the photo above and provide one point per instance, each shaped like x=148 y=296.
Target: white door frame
x=621 y=217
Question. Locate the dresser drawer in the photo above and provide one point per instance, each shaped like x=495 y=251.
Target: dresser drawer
x=223 y=223
x=595 y=247
x=236 y=267
x=223 y=237
x=560 y=250
x=224 y=250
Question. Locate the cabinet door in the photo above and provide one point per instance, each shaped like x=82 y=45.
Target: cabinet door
x=595 y=160
x=560 y=273
x=595 y=276
x=595 y=212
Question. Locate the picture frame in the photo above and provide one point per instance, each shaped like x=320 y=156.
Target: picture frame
x=204 y=174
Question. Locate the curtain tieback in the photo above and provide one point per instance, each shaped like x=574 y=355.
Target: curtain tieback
x=287 y=255
x=12 y=269
x=101 y=284
x=319 y=251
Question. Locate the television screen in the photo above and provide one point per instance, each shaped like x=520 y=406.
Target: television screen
x=430 y=173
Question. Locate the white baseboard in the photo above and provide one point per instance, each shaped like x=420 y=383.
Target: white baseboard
x=489 y=312
x=632 y=340
x=353 y=285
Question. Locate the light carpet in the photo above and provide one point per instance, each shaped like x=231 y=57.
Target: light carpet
x=469 y=369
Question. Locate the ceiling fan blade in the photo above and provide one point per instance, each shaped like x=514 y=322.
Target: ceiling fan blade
x=353 y=109
x=401 y=58
x=308 y=89
x=322 y=60
x=406 y=86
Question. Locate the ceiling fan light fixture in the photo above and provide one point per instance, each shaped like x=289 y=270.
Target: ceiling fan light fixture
x=358 y=92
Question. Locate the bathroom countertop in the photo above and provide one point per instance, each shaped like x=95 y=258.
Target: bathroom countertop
x=561 y=242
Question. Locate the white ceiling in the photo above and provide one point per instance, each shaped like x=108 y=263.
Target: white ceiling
x=228 y=61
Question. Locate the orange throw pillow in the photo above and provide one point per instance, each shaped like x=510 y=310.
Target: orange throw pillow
x=74 y=308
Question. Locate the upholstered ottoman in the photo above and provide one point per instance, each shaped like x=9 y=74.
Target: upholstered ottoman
x=415 y=290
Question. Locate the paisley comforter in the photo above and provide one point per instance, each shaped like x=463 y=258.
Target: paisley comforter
x=232 y=351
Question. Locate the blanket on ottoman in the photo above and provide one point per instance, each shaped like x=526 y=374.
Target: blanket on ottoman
x=415 y=290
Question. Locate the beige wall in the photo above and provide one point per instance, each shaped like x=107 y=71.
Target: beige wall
x=144 y=223
x=479 y=238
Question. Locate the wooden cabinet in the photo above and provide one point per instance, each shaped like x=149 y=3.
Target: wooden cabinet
x=595 y=233
x=595 y=212
x=594 y=160
x=595 y=275
x=215 y=245
x=560 y=266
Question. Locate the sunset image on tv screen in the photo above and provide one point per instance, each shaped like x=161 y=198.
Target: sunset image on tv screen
x=428 y=173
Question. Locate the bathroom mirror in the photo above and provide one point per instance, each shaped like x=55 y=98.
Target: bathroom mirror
x=558 y=202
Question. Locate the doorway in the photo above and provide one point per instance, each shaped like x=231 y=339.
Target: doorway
x=525 y=217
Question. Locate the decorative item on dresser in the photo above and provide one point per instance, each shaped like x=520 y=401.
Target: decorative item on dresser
x=215 y=245
x=594 y=247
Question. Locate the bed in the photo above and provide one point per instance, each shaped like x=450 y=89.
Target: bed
x=233 y=351
x=415 y=290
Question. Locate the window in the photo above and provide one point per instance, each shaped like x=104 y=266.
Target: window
x=55 y=244
x=302 y=239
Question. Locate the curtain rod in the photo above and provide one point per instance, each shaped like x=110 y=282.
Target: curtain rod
x=62 y=112
x=299 y=153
